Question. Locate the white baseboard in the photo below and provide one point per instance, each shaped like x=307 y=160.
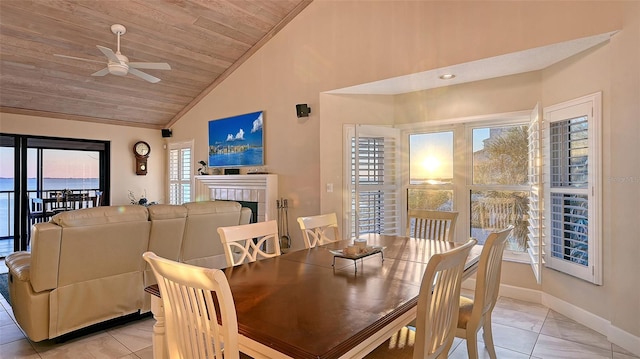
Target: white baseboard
x=625 y=340
x=603 y=326
x=527 y=295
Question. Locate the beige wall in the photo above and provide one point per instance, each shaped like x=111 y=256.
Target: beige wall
x=338 y=110
x=500 y=95
x=123 y=175
x=622 y=177
x=613 y=69
x=333 y=44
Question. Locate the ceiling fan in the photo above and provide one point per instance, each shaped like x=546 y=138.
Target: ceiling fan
x=119 y=64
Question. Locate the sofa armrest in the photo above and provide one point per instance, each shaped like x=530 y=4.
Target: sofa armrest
x=245 y=215
x=19 y=264
x=45 y=256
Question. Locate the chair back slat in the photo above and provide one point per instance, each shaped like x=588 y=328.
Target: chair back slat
x=250 y=242
x=319 y=230
x=426 y=224
x=200 y=314
x=438 y=302
x=489 y=271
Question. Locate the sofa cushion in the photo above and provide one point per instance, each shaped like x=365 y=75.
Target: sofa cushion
x=167 y=230
x=210 y=207
x=166 y=211
x=201 y=243
x=101 y=215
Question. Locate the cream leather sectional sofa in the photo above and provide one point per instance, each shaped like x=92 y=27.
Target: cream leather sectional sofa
x=86 y=266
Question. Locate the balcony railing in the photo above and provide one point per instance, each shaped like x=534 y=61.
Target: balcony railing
x=7 y=202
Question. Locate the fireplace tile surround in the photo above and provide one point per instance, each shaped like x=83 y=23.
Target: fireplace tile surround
x=259 y=188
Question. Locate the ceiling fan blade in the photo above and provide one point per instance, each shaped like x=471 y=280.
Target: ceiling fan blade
x=101 y=72
x=143 y=75
x=150 y=65
x=78 y=58
x=108 y=53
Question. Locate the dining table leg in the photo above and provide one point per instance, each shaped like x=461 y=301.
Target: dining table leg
x=159 y=329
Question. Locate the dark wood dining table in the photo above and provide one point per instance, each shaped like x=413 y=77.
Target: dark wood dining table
x=299 y=305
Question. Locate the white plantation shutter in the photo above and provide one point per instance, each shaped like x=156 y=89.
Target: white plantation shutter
x=572 y=187
x=180 y=165
x=535 y=236
x=371 y=180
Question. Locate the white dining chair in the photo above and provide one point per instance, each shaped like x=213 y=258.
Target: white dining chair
x=476 y=313
x=431 y=224
x=437 y=313
x=319 y=230
x=250 y=242
x=197 y=324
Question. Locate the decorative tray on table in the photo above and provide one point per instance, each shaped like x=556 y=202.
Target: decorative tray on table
x=359 y=253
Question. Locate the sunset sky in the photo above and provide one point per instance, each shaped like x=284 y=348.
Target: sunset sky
x=57 y=163
x=431 y=154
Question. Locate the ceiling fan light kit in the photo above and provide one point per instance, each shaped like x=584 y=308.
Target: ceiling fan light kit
x=119 y=64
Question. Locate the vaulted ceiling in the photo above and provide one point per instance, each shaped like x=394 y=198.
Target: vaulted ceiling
x=202 y=41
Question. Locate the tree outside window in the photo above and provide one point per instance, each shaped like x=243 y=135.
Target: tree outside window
x=499 y=195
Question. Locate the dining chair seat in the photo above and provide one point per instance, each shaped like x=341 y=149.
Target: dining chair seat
x=464 y=311
x=437 y=312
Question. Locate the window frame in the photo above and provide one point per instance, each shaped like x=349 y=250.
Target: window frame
x=391 y=184
x=591 y=107
x=521 y=119
x=407 y=185
x=463 y=148
x=463 y=163
x=180 y=146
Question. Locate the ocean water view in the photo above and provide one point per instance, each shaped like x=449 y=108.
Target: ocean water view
x=250 y=157
x=7 y=195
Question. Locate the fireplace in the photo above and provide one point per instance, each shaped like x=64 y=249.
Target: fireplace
x=253 y=206
x=260 y=189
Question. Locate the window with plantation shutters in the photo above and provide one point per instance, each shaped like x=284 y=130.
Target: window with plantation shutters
x=572 y=187
x=371 y=180
x=180 y=165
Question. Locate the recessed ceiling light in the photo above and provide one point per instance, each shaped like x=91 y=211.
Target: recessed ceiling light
x=447 y=76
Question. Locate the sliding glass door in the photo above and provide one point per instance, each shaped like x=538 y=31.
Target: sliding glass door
x=39 y=174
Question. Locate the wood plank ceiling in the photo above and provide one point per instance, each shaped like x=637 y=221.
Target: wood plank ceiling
x=203 y=41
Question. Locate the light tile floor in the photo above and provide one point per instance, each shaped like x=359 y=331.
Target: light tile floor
x=522 y=330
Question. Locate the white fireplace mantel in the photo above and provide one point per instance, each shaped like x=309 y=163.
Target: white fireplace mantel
x=259 y=188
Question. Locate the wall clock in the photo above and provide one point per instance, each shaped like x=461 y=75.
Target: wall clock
x=141 y=150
